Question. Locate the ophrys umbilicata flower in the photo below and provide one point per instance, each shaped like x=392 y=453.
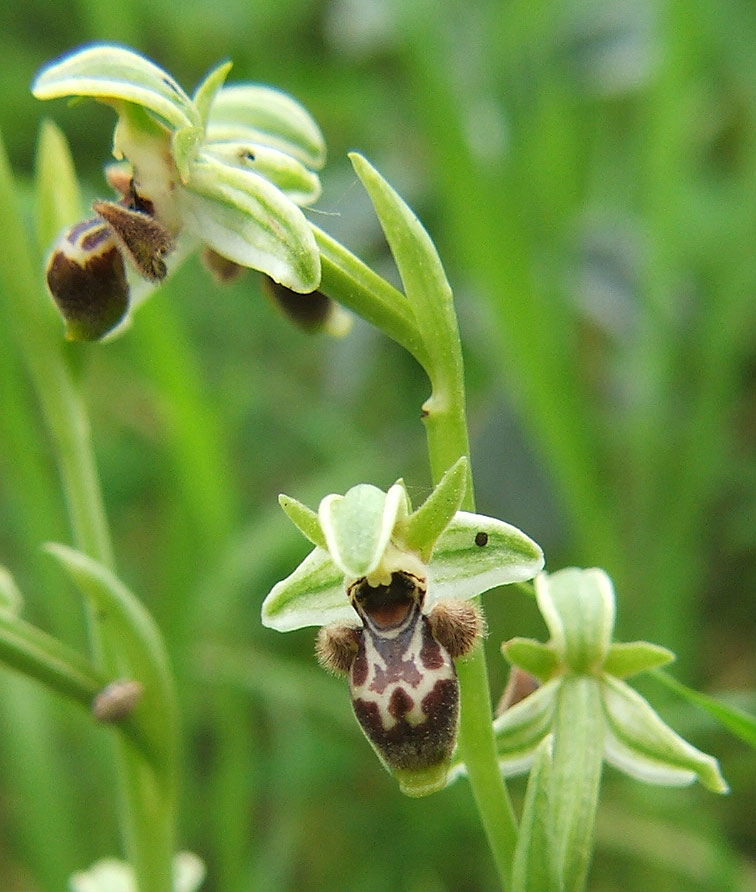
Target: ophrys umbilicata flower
x=580 y=658
x=390 y=588
x=227 y=167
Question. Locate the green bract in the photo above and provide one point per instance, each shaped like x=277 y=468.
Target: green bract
x=227 y=167
x=370 y=533
x=578 y=606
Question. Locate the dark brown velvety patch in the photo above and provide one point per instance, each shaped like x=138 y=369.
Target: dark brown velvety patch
x=92 y=298
x=405 y=746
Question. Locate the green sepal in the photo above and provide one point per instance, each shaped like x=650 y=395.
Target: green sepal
x=534 y=864
x=313 y=595
x=639 y=743
x=461 y=568
x=141 y=652
x=110 y=73
x=358 y=526
x=421 y=529
x=11 y=599
x=208 y=89
x=260 y=114
x=304 y=519
x=578 y=607
x=245 y=218
x=577 y=754
x=298 y=183
x=633 y=657
x=534 y=657
x=520 y=729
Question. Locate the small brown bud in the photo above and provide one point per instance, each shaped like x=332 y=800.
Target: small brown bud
x=222 y=269
x=336 y=647
x=309 y=311
x=117 y=700
x=520 y=685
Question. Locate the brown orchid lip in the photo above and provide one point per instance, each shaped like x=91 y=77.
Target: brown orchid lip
x=87 y=279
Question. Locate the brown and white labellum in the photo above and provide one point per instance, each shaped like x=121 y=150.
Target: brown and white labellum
x=87 y=279
x=402 y=678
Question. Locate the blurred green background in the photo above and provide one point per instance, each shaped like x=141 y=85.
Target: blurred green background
x=588 y=171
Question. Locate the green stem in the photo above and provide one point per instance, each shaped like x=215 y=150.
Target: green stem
x=147 y=801
x=431 y=334
x=36 y=654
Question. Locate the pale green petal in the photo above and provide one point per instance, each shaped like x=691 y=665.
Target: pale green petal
x=420 y=530
x=245 y=218
x=208 y=90
x=633 y=657
x=639 y=743
x=188 y=872
x=289 y=174
x=110 y=73
x=358 y=526
x=313 y=595
x=256 y=113
x=304 y=519
x=522 y=727
x=462 y=568
x=534 y=657
x=578 y=606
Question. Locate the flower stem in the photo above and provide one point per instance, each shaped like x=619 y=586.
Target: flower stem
x=426 y=324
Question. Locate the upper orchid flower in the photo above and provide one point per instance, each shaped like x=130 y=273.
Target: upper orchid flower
x=390 y=586
x=226 y=167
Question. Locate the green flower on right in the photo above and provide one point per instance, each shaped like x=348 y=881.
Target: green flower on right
x=579 y=609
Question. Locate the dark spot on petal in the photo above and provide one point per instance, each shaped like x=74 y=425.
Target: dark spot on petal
x=481 y=539
x=360 y=668
x=430 y=653
x=400 y=703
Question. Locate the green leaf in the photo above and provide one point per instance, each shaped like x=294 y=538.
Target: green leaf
x=260 y=114
x=140 y=647
x=534 y=864
x=421 y=529
x=520 y=729
x=534 y=657
x=420 y=268
x=298 y=183
x=578 y=606
x=476 y=553
x=576 y=776
x=11 y=599
x=358 y=526
x=109 y=73
x=739 y=723
x=245 y=218
x=304 y=519
x=639 y=743
x=313 y=595
x=57 y=188
x=633 y=657
x=208 y=89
